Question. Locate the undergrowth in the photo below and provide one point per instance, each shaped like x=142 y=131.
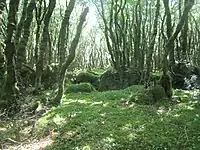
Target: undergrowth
x=108 y=121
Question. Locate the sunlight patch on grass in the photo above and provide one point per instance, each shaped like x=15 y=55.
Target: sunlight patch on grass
x=81 y=101
x=58 y=120
x=96 y=103
x=101 y=121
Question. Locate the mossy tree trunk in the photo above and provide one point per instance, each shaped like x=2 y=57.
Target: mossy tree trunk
x=39 y=16
x=169 y=31
x=165 y=79
x=2 y=59
x=44 y=43
x=118 y=31
x=2 y=6
x=137 y=37
x=64 y=31
x=70 y=57
x=23 y=41
x=20 y=25
x=184 y=37
x=152 y=43
x=10 y=90
x=21 y=51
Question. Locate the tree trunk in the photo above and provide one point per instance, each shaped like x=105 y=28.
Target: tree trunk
x=166 y=79
x=184 y=37
x=39 y=19
x=2 y=6
x=44 y=43
x=70 y=57
x=63 y=35
x=151 y=46
x=2 y=59
x=20 y=25
x=10 y=90
x=21 y=51
x=169 y=31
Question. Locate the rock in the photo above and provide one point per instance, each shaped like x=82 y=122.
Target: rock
x=149 y=96
x=82 y=87
x=87 y=77
x=110 y=80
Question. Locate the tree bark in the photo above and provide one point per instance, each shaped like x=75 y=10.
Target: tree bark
x=166 y=79
x=39 y=15
x=10 y=90
x=44 y=43
x=2 y=6
x=184 y=38
x=63 y=35
x=152 y=43
x=169 y=31
x=20 y=25
x=70 y=57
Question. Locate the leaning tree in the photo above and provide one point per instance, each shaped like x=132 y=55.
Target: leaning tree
x=72 y=49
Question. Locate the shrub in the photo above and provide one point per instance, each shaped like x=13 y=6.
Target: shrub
x=82 y=87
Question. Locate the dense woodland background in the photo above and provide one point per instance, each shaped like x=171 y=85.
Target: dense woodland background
x=55 y=44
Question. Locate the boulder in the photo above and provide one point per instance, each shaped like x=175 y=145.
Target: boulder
x=82 y=87
x=110 y=80
x=87 y=77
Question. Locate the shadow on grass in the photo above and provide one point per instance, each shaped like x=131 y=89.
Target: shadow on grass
x=98 y=121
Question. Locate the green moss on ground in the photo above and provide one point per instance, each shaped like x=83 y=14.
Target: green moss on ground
x=106 y=120
x=82 y=87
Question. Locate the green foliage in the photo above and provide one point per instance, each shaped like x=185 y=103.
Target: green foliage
x=82 y=87
x=99 y=121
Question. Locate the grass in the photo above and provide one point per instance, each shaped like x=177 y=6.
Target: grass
x=104 y=121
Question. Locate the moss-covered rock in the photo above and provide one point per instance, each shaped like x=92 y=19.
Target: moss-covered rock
x=149 y=96
x=88 y=77
x=158 y=92
x=110 y=80
x=82 y=87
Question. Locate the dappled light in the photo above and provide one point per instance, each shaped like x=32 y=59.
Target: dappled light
x=99 y=75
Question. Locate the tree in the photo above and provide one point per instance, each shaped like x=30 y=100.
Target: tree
x=2 y=6
x=44 y=43
x=10 y=91
x=64 y=31
x=166 y=79
x=70 y=57
x=21 y=47
x=152 y=43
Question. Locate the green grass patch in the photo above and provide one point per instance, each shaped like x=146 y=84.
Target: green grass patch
x=82 y=87
x=104 y=121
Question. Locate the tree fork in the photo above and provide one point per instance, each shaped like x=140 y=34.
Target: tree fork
x=165 y=80
x=70 y=57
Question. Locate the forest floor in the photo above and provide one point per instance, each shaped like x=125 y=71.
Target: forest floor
x=109 y=121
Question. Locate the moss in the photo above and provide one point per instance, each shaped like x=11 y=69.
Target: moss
x=82 y=87
x=155 y=77
x=149 y=96
x=88 y=77
x=97 y=121
x=158 y=92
